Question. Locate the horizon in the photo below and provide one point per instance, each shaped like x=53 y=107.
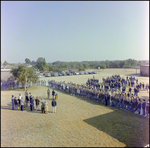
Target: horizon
x=74 y=61
x=74 y=31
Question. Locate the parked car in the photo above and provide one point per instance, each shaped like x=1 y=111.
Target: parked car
x=54 y=74
x=63 y=73
x=68 y=73
x=39 y=75
x=76 y=73
x=93 y=72
x=85 y=72
x=44 y=73
x=47 y=75
x=89 y=73
x=59 y=74
x=71 y=71
x=81 y=72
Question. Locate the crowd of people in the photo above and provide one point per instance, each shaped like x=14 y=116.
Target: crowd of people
x=34 y=103
x=113 y=91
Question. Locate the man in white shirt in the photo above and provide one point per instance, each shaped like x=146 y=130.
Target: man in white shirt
x=22 y=103
x=19 y=98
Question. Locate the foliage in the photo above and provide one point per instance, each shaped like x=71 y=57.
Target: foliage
x=41 y=64
x=81 y=67
x=27 y=61
x=58 y=66
x=24 y=74
x=33 y=62
x=5 y=63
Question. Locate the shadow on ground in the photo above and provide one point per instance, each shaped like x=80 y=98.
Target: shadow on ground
x=130 y=129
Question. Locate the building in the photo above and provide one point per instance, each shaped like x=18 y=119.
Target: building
x=144 y=70
x=6 y=76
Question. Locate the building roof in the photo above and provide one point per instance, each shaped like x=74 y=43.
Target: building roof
x=144 y=66
x=5 y=70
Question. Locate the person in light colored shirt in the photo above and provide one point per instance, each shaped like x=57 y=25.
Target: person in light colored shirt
x=22 y=103
x=19 y=98
x=34 y=104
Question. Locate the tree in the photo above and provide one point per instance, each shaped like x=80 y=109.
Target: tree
x=102 y=66
x=24 y=74
x=33 y=63
x=5 y=63
x=41 y=64
x=81 y=67
x=27 y=61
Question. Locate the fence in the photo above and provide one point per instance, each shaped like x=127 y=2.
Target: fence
x=19 y=85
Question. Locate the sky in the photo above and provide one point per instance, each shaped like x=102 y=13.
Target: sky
x=74 y=30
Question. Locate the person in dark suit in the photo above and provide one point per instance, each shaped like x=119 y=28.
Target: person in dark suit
x=139 y=106
x=27 y=99
x=16 y=103
x=13 y=104
x=53 y=93
x=106 y=99
x=143 y=107
x=54 y=103
x=147 y=109
x=31 y=103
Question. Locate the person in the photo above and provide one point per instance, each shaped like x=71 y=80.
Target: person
x=22 y=103
x=19 y=97
x=54 y=103
x=42 y=105
x=130 y=89
x=34 y=104
x=147 y=109
x=48 y=93
x=26 y=92
x=143 y=85
x=56 y=97
x=16 y=103
x=27 y=99
x=12 y=99
x=53 y=93
x=128 y=104
x=106 y=99
x=31 y=103
x=139 y=106
x=29 y=95
x=147 y=87
x=143 y=107
x=46 y=107
x=37 y=103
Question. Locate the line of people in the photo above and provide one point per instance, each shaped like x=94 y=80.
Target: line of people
x=128 y=101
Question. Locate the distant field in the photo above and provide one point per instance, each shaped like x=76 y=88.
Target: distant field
x=78 y=121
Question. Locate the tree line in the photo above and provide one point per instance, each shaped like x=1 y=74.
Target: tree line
x=25 y=74
x=81 y=66
x=58 y=66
